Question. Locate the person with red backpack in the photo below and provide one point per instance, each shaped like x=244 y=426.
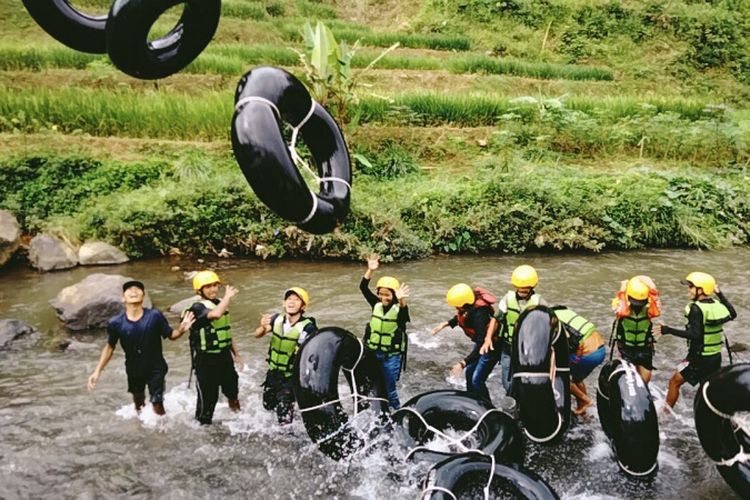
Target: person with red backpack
x=473 y=313
x=636 y=305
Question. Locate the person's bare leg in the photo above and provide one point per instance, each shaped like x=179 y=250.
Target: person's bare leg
x=673 y=393
x=139 y=400
x=584 y=401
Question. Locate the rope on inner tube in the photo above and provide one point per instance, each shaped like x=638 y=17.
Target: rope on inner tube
x=296 y=158
x=355 y=395
x=737 y=421
x=438 y=488
x=456 y=442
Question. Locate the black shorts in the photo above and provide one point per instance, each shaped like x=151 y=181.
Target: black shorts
x=696 y=370
x=640 y=356
x=155 y=381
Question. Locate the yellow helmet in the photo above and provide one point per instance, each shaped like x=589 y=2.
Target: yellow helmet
x=637 y=289
x=299 y=292
x=204 y=278
x=701 y=280
x=388 y=282
x=524 y=276
x=460 y=295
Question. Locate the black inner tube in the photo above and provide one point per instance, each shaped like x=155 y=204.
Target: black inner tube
x=68 y=25
x=497 y=434
x=266 y=162
x=129 y=24
x=722 y=395
x=469 y=472
x=315 y=379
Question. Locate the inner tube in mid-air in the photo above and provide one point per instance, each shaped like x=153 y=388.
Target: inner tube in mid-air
x=541 y=375
x=128 y=27
x=628 y=417
x=464 y=475
x=68 y=25
x=726 y=439
x=265 y=97
x=315 y=378
x=483 y=427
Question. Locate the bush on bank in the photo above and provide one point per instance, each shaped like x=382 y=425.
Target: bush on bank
x=148 y=208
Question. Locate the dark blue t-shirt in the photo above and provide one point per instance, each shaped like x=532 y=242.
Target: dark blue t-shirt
x=141 y=340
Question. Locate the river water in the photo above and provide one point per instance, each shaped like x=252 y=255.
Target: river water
x=59 y=440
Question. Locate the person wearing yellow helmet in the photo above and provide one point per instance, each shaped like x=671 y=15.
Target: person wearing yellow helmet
x=524 y=279
x=704 y=332
x=385 y=334
x=140 y=331
x=290 y=330
x=473 y=312
x=633 y=328
x=213 y=352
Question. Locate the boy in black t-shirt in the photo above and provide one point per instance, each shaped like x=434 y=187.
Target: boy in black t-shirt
x=140 y=332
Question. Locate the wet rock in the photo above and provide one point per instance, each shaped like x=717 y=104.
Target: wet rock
x=184 y=304
x=73 y=345
x=13 y=329
x=92 y=302
x=740 y=347
x=48 y=253
x=10 y=236
x=94 y=253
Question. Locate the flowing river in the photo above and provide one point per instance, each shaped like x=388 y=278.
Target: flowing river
x=59 y=440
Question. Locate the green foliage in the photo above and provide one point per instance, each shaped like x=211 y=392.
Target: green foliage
x=569 y=210
x=328 y=70
x=39 y=187
x=275 y=9
x=387 y=160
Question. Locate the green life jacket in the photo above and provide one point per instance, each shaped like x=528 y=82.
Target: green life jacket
x=579 y=327
x=214 y=338
x=636 y=329
x=715 y=314
x=514 y=311
x=384 y=335
x=284 y=344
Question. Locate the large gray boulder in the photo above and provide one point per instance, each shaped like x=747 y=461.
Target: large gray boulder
x=92 y=302
x=13 y=329
x=48 y=253
x=184 y=304
x=94 y=253
x=10 y=236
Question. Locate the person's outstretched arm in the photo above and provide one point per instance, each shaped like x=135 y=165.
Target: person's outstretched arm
x=218 y=311
x=104 y=358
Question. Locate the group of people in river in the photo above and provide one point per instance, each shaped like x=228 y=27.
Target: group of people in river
x=489 y=324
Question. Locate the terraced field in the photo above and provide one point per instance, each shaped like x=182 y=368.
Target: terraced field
x=567 y=124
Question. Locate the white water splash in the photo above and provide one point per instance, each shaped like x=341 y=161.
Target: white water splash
x=424 y=339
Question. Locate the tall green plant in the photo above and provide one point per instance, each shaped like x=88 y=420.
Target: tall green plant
x=328 y=69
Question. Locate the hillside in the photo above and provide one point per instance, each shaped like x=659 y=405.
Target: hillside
x=494 y=126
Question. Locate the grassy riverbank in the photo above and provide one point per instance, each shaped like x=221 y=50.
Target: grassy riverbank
x=504 y=127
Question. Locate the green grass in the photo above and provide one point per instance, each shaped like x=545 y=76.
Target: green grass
x=232 y=59
x=540 y=70
x=462 y=165
x=585 y=126
x=244 y=10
